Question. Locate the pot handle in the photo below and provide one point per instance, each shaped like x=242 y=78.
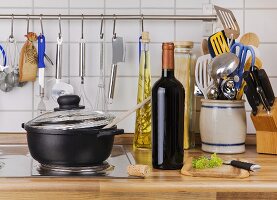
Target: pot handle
x=103 y=133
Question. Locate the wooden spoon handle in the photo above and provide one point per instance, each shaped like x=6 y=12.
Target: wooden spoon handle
x=126 y=114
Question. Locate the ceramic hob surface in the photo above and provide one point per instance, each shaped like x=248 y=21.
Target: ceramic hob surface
x=16 y=161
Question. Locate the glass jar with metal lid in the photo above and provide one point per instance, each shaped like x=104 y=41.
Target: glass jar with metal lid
x=184 y=72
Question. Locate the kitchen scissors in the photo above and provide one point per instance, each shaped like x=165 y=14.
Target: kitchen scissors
x=243 y=50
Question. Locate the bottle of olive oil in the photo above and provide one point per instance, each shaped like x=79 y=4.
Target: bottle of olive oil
x=142 y=137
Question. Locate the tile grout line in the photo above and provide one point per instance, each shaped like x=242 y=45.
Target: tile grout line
x=33 y=84
x=69 y=45
x=104 y=56
x=175 y=21
x=243 y=16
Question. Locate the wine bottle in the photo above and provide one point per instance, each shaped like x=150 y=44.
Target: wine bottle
x=167 y=115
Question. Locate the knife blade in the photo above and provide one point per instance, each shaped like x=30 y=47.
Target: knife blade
x=266 y=85
x=117 y=56
x=251 y=100
x=251 y=87
x=242 y=165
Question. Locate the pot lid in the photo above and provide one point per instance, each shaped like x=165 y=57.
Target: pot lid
x=70 y=115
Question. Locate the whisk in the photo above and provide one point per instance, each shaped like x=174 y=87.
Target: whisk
x=101 y=101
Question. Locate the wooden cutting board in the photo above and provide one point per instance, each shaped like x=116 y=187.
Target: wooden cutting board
x=225 y=171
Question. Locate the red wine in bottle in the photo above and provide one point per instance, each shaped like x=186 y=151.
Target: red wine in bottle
x=167 y=116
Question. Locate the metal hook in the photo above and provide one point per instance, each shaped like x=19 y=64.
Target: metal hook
x=114 y=20
x=82 y=31
x=60 y=27
x=11 y=36
x=101 y=28
x=28 y=23
x=41 y=26
x=142 y=27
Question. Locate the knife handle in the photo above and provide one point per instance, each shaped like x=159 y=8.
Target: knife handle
x=251 y=100
x=259 y=89
x=41 y=51
x=244 y=165
x=112 y=83
x=59 y=61
x=251 y=86
x=265 y=83
x=82 y=58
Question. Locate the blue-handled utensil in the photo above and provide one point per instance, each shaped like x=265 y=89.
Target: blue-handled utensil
x=4 y=56
x=41 y=66
x=41 y=51
x=3 y=66
x=242 y=54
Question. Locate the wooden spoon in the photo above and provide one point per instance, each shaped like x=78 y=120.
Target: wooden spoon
x=250 y=39
x=204 y=47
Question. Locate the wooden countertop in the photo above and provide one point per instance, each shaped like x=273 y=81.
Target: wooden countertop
x=160 y=185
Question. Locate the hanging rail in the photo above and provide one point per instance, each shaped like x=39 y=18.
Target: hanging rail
x=111 y=17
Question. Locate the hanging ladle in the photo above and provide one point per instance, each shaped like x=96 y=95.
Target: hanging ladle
x=10 y=73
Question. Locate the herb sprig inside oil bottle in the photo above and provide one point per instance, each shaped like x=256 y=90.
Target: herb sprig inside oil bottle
x=142 y=137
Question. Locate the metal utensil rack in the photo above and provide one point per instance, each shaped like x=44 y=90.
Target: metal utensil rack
x=111 y=17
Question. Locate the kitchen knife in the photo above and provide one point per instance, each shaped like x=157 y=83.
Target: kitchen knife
x=243 y=165
x=251 y=100
x=259 y=89
x=251 y=87
x=265 y=83
x=117 y=56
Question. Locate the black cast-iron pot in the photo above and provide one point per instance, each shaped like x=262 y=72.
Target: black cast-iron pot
x=71 y=147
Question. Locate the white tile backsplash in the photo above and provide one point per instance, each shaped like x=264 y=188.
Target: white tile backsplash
x=262 y=23
x=92 y=64
x=51 y=4
x=20 y=105
x=12 y=121
x=191 y=3
x=228 y=3
x=260 y=4
x=122 y=4
x=128 y=29
x=160 y=30
x=189 y=30
x=51 y=27
x=86 y=4
x=269 y=61
x=157 y=4
x=16 y=3
x=19 y=26
x=130 y=66
x=91 y=27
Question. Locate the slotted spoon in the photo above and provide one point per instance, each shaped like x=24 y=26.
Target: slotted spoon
x=202 y=78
